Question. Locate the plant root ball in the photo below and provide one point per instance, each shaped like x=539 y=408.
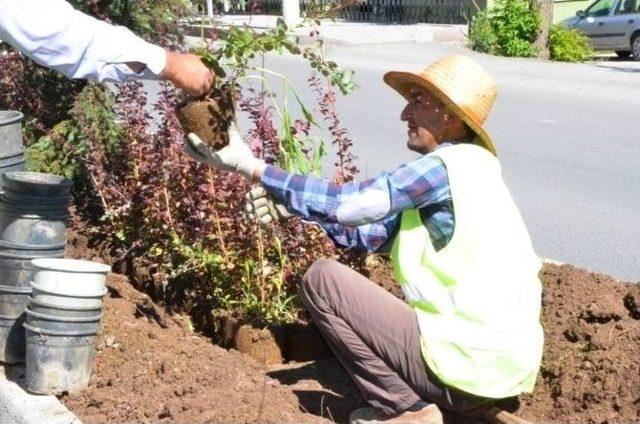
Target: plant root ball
x=210 y=118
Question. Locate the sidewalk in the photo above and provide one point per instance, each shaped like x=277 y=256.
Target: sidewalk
x=345 y=32
x=17 y=406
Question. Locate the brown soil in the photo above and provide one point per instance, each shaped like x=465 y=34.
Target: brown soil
x=210 y=118
x=150 y=367
x=591 y=366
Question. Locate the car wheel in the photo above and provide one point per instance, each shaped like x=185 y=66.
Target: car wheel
x=623 y=54
x=635 y=47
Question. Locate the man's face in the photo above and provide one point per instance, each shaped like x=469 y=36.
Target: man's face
x=427 y=119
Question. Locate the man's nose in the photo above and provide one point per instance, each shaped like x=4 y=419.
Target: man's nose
x=405 y=115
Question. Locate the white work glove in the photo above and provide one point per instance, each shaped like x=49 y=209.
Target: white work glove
x=261 y=207
x=234 y=157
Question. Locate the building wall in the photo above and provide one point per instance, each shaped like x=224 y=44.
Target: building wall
x=562 y=9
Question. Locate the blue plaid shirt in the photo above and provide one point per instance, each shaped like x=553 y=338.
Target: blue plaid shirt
x=422 y=184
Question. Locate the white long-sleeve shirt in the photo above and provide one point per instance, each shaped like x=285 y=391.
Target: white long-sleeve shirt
x=57 y=36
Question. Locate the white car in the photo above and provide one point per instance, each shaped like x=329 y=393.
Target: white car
x=611 y=25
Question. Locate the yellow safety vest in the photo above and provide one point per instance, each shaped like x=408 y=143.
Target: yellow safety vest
x=478 y=299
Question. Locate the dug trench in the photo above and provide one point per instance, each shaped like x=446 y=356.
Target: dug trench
x=151 y=367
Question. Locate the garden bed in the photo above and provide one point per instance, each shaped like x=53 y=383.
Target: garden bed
x=151 y=367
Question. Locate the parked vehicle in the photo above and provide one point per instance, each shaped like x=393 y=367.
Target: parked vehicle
x=611 y=25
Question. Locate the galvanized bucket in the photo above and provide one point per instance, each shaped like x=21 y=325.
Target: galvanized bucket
x=70 y=277
x=12 y=339
x=34 y=208
x=13 y=300
x=12 y=163
x=57 y=311
x=32 y=227
x=60 y=323
x=58 y=361
x=63 y=301
x=15 y=261
x=37 y=184
x=10 y=132
x=34 y=204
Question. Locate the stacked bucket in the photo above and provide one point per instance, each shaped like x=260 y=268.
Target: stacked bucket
x=33 y=213
x=50 y=308
x=63 y=319
x=14 y=261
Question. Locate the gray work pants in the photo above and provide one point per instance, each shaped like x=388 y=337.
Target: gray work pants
x=376 y=338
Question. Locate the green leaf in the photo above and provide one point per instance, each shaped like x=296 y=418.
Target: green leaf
x=307 y=115
x=280 y=23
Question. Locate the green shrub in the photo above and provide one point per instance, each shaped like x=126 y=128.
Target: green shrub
x=509 y=28
x=48 y=153
x=568 y=45
x=481 y=34
x=58 y=151
x=516 y=25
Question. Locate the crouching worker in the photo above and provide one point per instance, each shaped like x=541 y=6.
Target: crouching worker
x=470 y=330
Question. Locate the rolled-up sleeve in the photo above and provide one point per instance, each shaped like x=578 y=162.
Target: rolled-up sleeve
x=57 y=36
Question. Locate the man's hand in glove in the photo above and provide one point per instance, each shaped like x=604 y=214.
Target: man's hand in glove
x=261 y=207
x=235 y=157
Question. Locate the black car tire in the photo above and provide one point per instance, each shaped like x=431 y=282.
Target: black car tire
x=635 y=46
x=623 y=54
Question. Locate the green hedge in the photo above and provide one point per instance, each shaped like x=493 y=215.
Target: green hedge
x=568 y=45
x=509 y=28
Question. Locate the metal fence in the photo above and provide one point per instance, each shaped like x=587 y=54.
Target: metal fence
x=255 y=7
x=382 y=11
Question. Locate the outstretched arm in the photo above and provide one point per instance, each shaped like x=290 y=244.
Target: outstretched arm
x=362 y=215
x=57 y=36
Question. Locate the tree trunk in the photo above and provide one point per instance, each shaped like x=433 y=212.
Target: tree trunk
x=546 y=14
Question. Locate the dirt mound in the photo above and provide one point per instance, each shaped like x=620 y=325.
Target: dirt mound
x=150 y=368
x=591 y=366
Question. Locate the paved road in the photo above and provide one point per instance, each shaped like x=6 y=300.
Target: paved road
x=567 y=137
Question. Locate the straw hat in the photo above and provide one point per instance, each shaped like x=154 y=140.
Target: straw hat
x=461 y=84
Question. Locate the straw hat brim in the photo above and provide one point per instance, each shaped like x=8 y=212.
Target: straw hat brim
x=402 y=82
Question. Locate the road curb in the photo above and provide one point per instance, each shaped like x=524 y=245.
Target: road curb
x=343 y=33
x=552 y=261
x=19 y=407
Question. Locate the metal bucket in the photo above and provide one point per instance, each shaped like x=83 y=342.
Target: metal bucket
x=90 y=301
x=49 y=322
x=26 y=226
x=13 y=300
x=10 y=132
x=33 y=204
x=15 y=261
x=58 y=361
x=70 y=277
x=57 y=311
x=12 y=339
x=12 y=163
x=36 y=184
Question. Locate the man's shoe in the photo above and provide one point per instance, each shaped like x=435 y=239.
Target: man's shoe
x=430 y=414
